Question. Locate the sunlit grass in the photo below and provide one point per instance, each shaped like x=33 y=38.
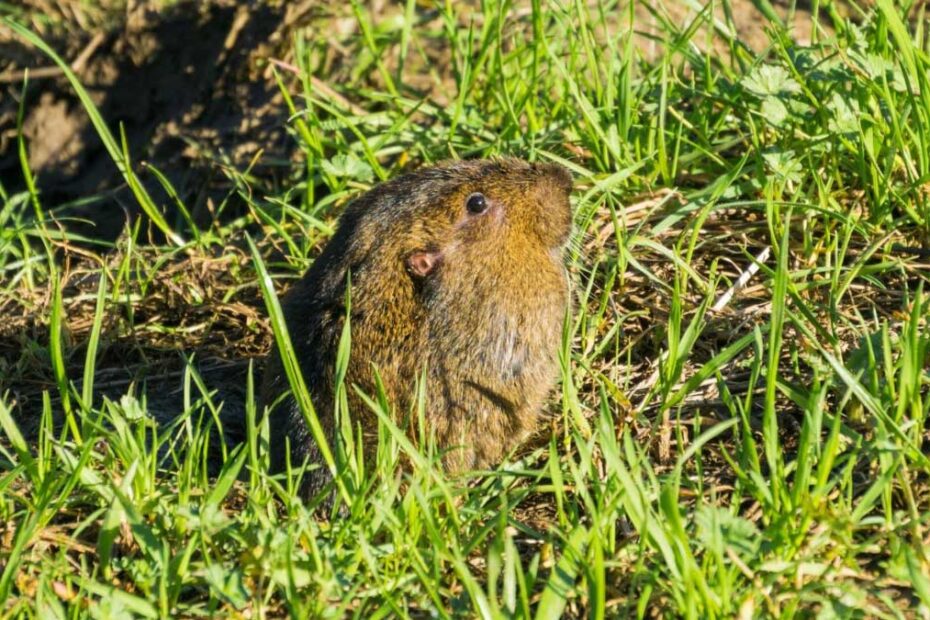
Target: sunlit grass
x=715 y=450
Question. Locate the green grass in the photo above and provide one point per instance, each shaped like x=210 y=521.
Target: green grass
x=760 y=454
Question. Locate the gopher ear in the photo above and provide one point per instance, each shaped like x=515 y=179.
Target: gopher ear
x=423 y=263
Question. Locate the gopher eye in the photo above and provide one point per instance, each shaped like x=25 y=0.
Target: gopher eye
x=476 y=204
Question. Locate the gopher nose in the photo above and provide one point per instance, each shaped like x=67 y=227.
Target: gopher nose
x=554 y=220
x=559 y=175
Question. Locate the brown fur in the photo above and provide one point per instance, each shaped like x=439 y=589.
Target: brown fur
x=485 y=323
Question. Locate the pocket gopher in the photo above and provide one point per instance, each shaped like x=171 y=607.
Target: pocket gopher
x=456 y=269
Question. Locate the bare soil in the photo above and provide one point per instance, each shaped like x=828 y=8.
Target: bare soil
x=182 y=83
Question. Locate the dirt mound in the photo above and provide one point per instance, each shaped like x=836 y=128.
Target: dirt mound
x=183 y=83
